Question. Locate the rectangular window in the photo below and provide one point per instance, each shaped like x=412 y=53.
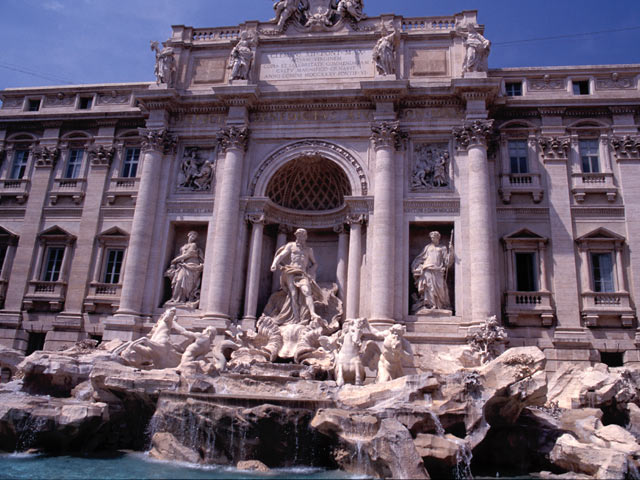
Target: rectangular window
x=74 y=163
x=589 y=156
x=113 y=266
x=513 y=89
x=85 y=103
x=3 y=256
x=35 y=342
x=19 y=166
x=580 y=87
x=33 y=105
x=53 y=264
x=130 y=164
x=526 y=278
x=518 y=152
x=602 y=265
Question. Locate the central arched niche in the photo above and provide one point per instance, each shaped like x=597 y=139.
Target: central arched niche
x=309 y=183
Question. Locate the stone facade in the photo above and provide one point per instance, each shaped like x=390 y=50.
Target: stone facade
x=370 y=133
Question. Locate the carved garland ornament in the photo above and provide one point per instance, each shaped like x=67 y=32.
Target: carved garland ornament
x=312 y=146
x=233 y=137
x=477 y=132
x=157 y=139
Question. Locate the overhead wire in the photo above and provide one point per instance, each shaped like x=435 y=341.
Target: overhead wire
x=569 y=35
x=46 y=76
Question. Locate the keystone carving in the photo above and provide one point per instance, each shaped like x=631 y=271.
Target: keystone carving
x=233 y=137
x=477 y=132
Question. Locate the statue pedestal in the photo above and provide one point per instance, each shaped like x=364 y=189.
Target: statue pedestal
x=427 y=314
x=474 y=75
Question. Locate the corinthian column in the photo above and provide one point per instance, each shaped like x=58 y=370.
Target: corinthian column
x=386 y=139
x=155 y=143
x=473 y=138
x=233 y=143
x=253 y=269
x=354 y=265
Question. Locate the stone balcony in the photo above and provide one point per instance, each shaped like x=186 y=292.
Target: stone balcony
x=103 y=294
x=522 y=307
x=592 y=183
x=51 y=293
x=122 y=187
x=597 y=306
x=18 y=189
x=68 y=187
x=521 y=183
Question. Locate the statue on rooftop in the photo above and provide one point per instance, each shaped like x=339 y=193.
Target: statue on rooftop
x=384 y=52
x=477 y=49
x=241 y=58
x=165 y=67
x=352 y=8
x=288 y=9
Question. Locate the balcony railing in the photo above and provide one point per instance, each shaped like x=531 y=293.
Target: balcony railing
x=520 y=183
x=107 y=294
x=68 y=187
x=598 y=305
x=520 y=306
x=52 y=293
x=437 y=24
x=17 y=188
x=122 y=187
x=587 y=183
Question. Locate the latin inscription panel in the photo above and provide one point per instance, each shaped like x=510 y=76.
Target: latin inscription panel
x=344 y=63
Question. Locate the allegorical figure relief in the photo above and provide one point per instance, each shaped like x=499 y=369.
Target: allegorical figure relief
x=185 y=271
x=196 y=173
x=165 y=67
x=431 y=167
x=298 y=276
x=429 y=271
x=477 y=49
x=384 y=52
x=241 y=57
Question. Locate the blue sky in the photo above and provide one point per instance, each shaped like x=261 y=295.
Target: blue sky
x=104 y=41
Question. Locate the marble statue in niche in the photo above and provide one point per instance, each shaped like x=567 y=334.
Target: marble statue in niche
x=165 y=68
x=431 y=167
x=185 y=271
x=196 y=173
x=429 y=270
x=298 y=278
x=477 y=49
x=241 y=58
x=384 y=51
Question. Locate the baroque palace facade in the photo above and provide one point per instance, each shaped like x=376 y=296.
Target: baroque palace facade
x=119 y=200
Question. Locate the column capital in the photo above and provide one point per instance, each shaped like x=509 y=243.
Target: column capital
x=359 y=218
x=157 y=139
x=387 y=135
x=554 y=148
x=256 y=218
x=101 y=155
x=46 y=156
x=340 y=229
x=233 y=138
x=477 y=132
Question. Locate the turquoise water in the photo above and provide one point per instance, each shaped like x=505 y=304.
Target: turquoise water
x=135 y=466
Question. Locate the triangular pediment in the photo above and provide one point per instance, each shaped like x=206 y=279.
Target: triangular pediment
x=4 y=233
x=56 y=231
x=525 y=234
x=600 y=234
x=114 y=232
